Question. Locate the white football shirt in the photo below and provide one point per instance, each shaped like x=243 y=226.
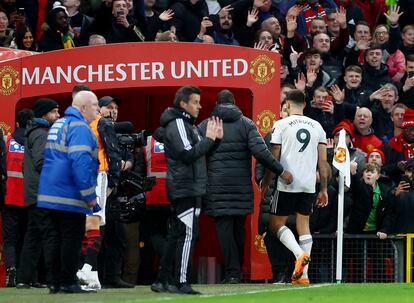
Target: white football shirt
x=299 y=137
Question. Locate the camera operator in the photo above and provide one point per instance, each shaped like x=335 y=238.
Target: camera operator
x=115 y=230
x=107 y=181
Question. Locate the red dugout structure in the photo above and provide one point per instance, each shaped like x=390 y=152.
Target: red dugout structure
x=145 y=77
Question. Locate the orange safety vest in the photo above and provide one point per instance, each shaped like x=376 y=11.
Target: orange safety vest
x=14 y=165
x=156 y=167
x=103 y=158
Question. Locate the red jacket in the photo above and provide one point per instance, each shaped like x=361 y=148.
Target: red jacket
x=14 y=165
x=156 y=167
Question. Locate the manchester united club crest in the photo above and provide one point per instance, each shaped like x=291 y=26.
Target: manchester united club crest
x=259 y=244
x=5 y=128
x=340 y=155
x=9 y=80
x=262 y=69
x=265 y=120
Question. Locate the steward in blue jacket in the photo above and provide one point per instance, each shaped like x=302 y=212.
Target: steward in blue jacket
x=70 y=168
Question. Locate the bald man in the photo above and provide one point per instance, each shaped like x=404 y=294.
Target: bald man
x=364 y=137
x=67 y=188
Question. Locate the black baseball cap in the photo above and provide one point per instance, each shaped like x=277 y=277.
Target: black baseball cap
x=105 y=100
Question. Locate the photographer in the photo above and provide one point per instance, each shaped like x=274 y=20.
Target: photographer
x=115 y=230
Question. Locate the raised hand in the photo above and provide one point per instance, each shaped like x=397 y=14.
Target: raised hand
x=294 y=57
x=260 y=45
x=300 y=82
x=311 y=76
x=394 y=14
x=211 y=131
x=378 y=94
x=204 y=24
x=166 y=15
x=295 y=10
x=219 y=129
x=341 y=17
x=362 y=44
x=291 y=23
x=329 y=143
x=225 y=10
x=337 y=94
x=252 y=17
x=408 y=84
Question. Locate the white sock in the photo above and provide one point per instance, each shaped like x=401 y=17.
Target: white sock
x=305 y=242
x=286 y=236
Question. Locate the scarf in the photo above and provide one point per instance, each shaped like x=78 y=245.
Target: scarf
x=66 y=40
x=309 y=14
x=399 y=144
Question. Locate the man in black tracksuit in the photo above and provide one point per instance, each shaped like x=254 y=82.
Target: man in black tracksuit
x=230 y=192
x=185 y=150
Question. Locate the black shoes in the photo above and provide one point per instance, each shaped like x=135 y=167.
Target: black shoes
x=183 y=289
x=119 y=284
x=186 y=289
x=11 y=277
x=30 y=285
x=75 y=289
x=161 y=287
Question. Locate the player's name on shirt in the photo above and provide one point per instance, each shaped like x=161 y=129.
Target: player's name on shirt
x=302 y=121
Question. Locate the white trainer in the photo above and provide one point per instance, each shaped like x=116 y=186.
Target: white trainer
x=93 y=280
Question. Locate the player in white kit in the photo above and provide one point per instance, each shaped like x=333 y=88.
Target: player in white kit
x=300 y=144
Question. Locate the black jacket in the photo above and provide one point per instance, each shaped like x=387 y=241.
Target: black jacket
x=187 y=18
x=403 y=211
x=230 y=190
x=362 y=196
x=110 y=142
x=35 y=141
x=185 y=150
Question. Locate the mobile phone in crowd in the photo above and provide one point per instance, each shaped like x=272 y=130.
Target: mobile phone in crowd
x=328 y=99
x=411 y=74
x=20 y=11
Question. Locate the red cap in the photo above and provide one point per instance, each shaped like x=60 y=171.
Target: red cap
x=408 y=120
x=376 y=150
x=344 y=124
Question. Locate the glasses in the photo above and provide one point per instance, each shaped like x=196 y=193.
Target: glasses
x=381 y=33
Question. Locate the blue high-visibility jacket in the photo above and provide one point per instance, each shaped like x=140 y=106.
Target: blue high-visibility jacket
x=70 y=168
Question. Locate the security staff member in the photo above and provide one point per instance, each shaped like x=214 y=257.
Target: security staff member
x=14 y=214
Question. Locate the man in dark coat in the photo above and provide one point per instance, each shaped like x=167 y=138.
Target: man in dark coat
x=230 y=192
x=46 y=113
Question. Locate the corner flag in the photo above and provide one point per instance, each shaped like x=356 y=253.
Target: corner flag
x=341 y=158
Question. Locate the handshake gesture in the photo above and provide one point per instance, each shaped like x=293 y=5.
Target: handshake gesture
x=214 y=128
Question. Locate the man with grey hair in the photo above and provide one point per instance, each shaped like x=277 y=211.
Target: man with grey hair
x=96 y=40
x=380 y=103
x=229 y=191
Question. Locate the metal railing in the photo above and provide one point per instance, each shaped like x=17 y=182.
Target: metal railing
x=365 y=259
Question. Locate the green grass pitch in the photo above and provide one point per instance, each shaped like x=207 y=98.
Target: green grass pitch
x=249 y=293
